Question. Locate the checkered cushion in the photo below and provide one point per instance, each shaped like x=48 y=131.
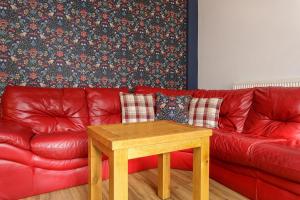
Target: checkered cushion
x=204 y=112
x=137 y=107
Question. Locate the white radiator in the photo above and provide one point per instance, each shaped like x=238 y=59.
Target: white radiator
x=279 y=83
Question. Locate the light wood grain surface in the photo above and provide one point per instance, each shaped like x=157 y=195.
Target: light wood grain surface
x=201 y=177
x=121 y=142
x=163 y=184
x=118 y=172
x=120 y=136
x=143 y=186
x=94 y=177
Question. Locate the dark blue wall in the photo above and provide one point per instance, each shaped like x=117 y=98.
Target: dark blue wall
x=192 y=71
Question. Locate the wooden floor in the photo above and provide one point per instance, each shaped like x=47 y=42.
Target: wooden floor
x=142 y=185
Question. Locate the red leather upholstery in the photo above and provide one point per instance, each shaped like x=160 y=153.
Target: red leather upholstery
x=28 y=181
x=292 y=143
x=262 y=164
x=258 y=165
x=169 y=92
x=279 y=183
x=15 y=134
x=243 y=179
x=25 y=157
x=278 y=159
x=236 y=147
x=234 y=109
x=61 y=146
x=275 y=113
x=104 y=105
x=266 y=191
x=46 y=110
x=16 y=180
x=236 y=177
x=15 y=154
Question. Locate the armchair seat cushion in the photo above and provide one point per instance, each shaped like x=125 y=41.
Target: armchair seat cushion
x=15 y=134
x=60 y=146
x=280 y=159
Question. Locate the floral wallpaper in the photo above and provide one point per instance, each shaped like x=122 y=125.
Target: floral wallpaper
x=93 y=43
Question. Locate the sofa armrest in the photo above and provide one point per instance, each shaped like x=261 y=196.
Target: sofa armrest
x=15 y=134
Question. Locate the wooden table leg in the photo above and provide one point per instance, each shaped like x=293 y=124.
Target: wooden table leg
x=201 y=171
x=118 y=175
x=95 y=172
x=164 y=176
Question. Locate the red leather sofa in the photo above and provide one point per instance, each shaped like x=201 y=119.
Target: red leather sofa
x=43 y=140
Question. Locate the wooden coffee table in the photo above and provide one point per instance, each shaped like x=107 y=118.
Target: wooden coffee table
x=121 y=142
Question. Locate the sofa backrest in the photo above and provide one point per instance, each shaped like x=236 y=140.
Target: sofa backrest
x=234 y=109
x=46 y=110
x=104 y=105
x=275 y=113
x=169 y=92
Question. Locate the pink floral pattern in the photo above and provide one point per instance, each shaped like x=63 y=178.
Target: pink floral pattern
x=107 y=43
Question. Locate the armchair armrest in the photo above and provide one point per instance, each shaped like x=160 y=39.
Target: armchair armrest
x=15 y=134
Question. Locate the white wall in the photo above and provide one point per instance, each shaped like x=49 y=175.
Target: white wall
x=248 y=40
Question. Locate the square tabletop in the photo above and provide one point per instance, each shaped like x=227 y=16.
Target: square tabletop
x=119 y=136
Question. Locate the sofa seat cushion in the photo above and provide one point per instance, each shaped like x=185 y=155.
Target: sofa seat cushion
x=235 y=107
x=275 y=113
x=25 y=157
x=104 y=105
x=15 y=134
x=235 y=147
x=282 y=159
x=60 y=146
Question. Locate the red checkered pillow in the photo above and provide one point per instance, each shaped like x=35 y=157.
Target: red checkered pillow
x=137 y=107
x=205 y=112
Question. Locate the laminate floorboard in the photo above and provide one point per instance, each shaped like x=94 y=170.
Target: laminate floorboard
x=142 y=186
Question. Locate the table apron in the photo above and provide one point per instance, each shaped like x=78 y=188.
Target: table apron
x=160 y=148
x=108 y=152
